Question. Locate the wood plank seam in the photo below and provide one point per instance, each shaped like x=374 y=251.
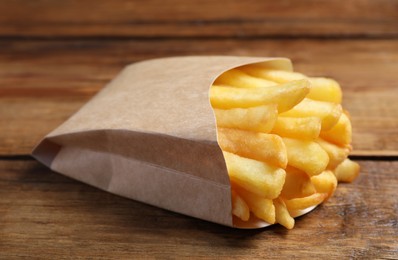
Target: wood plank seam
x=50 y=38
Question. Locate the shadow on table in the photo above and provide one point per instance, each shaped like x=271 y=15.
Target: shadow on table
x=87 y=213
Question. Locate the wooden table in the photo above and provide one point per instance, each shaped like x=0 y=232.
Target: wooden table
x=55 y=55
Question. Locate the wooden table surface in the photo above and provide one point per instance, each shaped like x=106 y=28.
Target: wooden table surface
x=55 y=55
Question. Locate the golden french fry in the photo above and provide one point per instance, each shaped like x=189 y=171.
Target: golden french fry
x=282 y=215
x=239 y=207
x=341 y=133
x=305 y=202
x=258 y=146
x=279 y=76
x=336 y=153
x=324 y=89
x=307 y=156
x=237 y=78
x=261 y=207
x=285 y=96
x=328 y=112
x=258 y=119
x=297 y=184
x=257 y=177
x=325 y=182
x=347 y=171
x=297 y=127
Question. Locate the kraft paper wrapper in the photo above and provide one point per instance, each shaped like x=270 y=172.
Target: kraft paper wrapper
x=150 y=135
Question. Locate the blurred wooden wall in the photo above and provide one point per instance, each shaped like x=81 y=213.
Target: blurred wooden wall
x=56 y=54
x=207 y=18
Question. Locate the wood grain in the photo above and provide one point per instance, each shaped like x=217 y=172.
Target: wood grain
x=46 y=215
x=43 y=82
x=55 y=55
x=179 y=18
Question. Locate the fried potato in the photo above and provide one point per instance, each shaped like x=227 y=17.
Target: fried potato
x=285 y=96
x=239 y=207
x=257 y=177
x=328 y=112
x=285 y=140
x=279 y=76
x=336 y=153
x=258 y=119
x=298 y=127
x=347 y=171
x=341 y=133
x=305 y=202
x=240 y=79
x=325 y=182
x=324 y=89
x=307 y=156
x=297 y=184
x=258 y=146
x=261 y=207
x=282 y=215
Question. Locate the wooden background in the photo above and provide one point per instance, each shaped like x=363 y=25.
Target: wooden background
x=55 y=55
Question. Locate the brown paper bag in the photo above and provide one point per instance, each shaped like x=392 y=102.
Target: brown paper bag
x=150 y=135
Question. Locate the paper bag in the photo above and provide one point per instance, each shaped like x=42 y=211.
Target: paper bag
x=150 y=135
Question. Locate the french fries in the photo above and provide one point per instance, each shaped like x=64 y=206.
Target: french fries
x=341 y=133
x=322 y=89
x=226 y=97
x=278 y=76
x=257 y=177
x=282 y=215
x=239 y=207
x=297 y=184
x=325 y=182
x=328 y=112
x=258 y=146
x=261 y=207
x=297 y=127
x=239 y=79
x=256 y=119
x=347 y=171
x=307 y=156
x=336 y=154
x=285 y=140
x=305 y=202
